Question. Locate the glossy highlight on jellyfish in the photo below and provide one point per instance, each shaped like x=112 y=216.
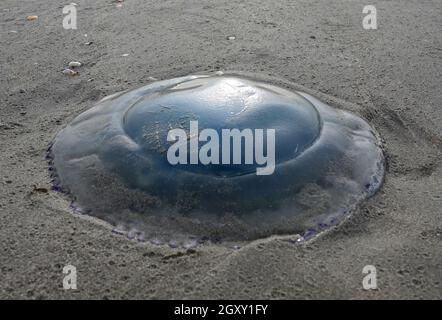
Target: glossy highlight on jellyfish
x=111 y=160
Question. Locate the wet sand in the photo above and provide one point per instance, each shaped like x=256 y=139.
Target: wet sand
x=391 y=75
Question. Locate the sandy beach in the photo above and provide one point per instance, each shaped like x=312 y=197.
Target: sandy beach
x=392 y=76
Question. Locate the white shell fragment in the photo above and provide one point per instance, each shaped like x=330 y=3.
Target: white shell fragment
x=74 y=64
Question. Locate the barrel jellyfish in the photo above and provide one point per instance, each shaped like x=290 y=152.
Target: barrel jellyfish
x=113 y=161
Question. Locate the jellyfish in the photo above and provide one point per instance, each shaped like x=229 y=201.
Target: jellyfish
x=114 y=160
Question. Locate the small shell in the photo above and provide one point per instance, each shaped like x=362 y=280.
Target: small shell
x=70 y=72
x=74 y=64
x=31 y=18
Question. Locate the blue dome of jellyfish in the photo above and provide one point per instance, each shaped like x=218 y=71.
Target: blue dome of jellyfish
x=113 y=161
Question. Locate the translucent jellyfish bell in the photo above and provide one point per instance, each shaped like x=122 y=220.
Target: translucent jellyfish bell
x=112 y=160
